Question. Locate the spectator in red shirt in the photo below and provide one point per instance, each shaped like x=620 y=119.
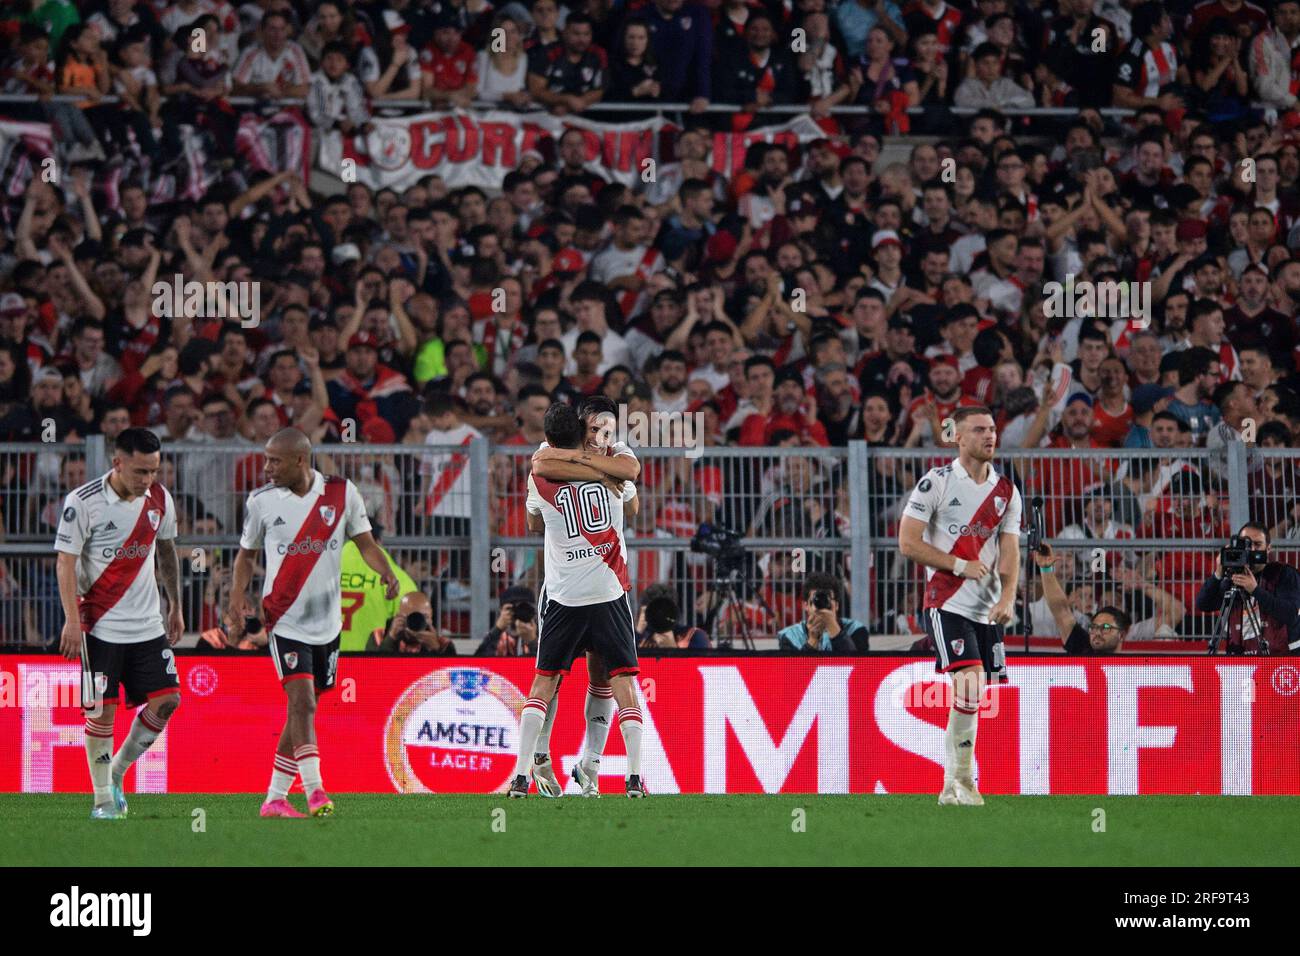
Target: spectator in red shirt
x=447 y=65
x=1112 y=414
x=793 y=410
x=1063 y=481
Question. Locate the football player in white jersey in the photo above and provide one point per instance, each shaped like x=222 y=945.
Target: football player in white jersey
x=108 y=535
x=583 y=604
x=599 y=458
x=963 y=524
x=302 y=519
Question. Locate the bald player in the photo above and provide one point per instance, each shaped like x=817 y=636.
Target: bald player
x=301 y=519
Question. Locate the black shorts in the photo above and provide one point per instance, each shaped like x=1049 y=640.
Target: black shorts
x=144 y=669
x=297 y=660
x=564 y=633
x=959 y=640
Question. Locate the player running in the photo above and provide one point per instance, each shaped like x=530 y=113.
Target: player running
x=600 y=458
x=301 y=519
x=963 y=520
x=583 y=604
x=109 y=533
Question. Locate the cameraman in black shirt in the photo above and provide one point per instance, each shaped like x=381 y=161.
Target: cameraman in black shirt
x=1267 y=622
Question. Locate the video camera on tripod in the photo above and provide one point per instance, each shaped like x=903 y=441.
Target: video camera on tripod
x=1238 y=555
x=731 y=581
x=722 y=545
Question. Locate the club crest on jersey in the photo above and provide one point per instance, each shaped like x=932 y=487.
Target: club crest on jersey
x=958 y=646
x=686 y=23
x=999 y=504
x=154 y=517
x=291 y=659
x=327 y=513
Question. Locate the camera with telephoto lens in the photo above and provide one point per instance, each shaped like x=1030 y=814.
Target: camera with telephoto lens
x=821 y=600
x=252 y=625
x=416 y=622
x=1238 y=555
x=524 y=611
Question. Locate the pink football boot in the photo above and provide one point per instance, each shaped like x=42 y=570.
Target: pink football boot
x=320 y=804
x=281 y=808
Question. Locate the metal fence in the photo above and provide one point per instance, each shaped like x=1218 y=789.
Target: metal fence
x=1136 y=528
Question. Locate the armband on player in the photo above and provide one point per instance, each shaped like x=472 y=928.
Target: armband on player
x=958 y=566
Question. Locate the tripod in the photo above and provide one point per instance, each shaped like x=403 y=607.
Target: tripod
x=1233 y=599
x=725 y=588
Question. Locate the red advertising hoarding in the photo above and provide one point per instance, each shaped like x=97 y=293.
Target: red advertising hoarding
x=712 y=725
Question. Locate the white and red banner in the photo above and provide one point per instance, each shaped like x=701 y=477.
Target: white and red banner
x=478 y=148
x=712 y=725
x=273 y=144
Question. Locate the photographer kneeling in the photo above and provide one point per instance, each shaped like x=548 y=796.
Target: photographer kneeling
x=822 y=630
x=515 y=631
x=412 y=632
x=1105 y=632
x=657 y=626
x=1266 y=622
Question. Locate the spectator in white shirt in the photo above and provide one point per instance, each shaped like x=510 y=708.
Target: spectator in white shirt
x=276 y=66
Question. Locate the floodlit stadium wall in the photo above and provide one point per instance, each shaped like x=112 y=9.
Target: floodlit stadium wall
x=712 y=725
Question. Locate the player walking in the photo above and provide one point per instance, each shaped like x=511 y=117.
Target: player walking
x=583 y=604
x=301 y=519
x=599 y=459
x=108 y=535
x=963 y=520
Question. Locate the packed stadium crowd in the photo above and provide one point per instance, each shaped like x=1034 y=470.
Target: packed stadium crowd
x=818 y=294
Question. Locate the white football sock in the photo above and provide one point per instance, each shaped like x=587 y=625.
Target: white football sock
x=963 y=722
x=145 y=729
x=99 y=756
x=530 y=725
x=599 y=711
x=282 y=776
x=629 y=722
x=543 y=746
x=308 y=758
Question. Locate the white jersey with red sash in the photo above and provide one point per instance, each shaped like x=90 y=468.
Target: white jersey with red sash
x=113 y=538
x=965 y=518
x=448 y=473
x=585 y=554
x=303 y=539
x=614 y=263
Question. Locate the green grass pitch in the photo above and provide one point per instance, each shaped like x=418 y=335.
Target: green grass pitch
x=895 y=830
